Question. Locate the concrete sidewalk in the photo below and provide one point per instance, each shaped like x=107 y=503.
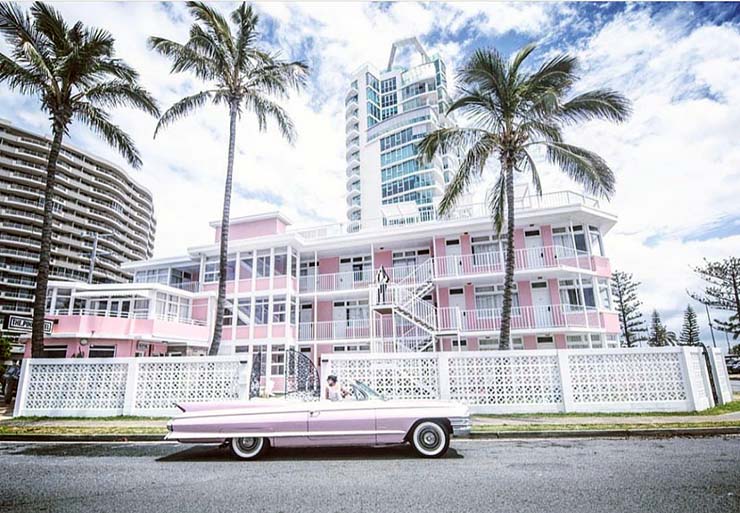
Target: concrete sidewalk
x=528 y=420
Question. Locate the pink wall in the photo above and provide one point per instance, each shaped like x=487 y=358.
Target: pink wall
x=384 y=258
x=324 y=310
x=250 y=229
x=602 y=266
x=439 y=246
x=525 y=293
x=329 y=265
x=546 y=232
x=124 y=348
x=518 y=238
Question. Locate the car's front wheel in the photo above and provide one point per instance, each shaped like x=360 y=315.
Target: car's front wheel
x=430 y=439
x=249 y=448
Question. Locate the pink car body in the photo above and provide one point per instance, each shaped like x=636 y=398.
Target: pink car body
x=367 y=420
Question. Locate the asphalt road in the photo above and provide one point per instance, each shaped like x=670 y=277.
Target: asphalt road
x=735 y=383
x=674 y=475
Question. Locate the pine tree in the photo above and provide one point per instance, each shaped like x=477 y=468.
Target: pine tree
x=690 y=334
x=722 y=291
x=659 y=335
x=624 y=292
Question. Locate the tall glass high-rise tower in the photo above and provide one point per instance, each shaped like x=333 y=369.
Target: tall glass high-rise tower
x=388 y=111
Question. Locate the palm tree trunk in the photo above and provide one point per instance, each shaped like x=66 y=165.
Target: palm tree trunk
x=42 y=276
x=224 y=244
x=505 y=336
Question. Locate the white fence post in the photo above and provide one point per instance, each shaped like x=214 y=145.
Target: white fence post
x=444 y=375
x=566 y=387
x=720 y=376
x=20 y=394
x=696 y=380
x=129 y=398
x=245 y=378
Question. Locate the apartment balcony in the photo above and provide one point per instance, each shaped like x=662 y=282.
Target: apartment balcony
x=127 y=325
x=523 y=318
x=349 y=280
x=537 y=259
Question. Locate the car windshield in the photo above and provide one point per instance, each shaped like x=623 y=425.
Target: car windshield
x=363 y=392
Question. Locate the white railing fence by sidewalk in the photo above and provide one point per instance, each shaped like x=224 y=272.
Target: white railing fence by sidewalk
x=92 y=387
x=603 y=380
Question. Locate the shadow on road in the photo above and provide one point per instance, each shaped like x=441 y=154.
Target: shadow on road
x=212 y=453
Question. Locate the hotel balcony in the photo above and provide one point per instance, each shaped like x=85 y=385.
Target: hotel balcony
x=537 y=260
x=106 y=324
x=348 y=280
x=523 y=319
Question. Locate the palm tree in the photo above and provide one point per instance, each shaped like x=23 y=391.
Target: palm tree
x=511 y=112
x=74 y=72
x=242 y=77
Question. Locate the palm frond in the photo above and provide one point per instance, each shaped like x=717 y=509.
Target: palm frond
x=216 y=25
x=246 y=21
x=470 y=168
x=275 y=77
x=25 y=80
x=582 y=166
x=184 y=58
x=49 y=22
x=496 y=201
x=486 y=72
x=99 y=122
x=556 y=76
x=597 y=104
x=447 y=140
x=182 y=108
x=518 y=59
x=265 y=110
x=118 y=93
x=483 y=110
x=528 y=165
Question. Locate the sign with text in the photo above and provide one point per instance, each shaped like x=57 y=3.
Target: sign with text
x=25 y=325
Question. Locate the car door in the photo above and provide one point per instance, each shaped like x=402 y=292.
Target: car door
x=346 y=422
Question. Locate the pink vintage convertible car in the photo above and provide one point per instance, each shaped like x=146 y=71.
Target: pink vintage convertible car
x=363 y=418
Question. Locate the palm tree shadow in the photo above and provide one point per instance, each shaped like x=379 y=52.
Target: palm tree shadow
x=214 y=453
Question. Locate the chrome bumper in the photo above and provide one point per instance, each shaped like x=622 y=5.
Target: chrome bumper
x=461 y=426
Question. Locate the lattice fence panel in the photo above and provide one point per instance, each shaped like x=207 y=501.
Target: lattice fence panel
x=396 y=378
x=93 y=386
x=505 y=380
x=622 y=378
x=161 y=383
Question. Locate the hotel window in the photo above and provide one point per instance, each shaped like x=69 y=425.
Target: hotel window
x=100 y=351
x=351 y=348
x=570 y=293
x=278 y=309
x=246 y=265
x=576 y=342
x=210 y=273
x=231 y=268
x=294 y=263
x=387 y=85
x=161 y=305
x=228 y=313
x=546 y=342
x=486 y=249
x=261 y=310
x=263 y=263
x=281 y=261
x=596 y=342
x=63 y=300
x=597 y=246
x=410 y=257
x=278 y=360
x=612 y=340
x=184 y=313
x=492 y=297
x=563 y=237
x=459 y=345
x=605 y=293
x=244 y=311
x=55 y=351
x=491 y=343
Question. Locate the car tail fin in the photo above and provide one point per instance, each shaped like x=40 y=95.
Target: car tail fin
x=180 y=407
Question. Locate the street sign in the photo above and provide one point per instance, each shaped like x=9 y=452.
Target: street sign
x=18 y=324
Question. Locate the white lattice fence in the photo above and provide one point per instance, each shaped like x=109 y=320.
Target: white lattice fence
x=131 y=386
x=616 y=380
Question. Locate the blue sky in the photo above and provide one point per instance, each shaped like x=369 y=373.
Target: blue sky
x=677 y=160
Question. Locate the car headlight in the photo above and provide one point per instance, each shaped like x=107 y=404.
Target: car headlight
x=169 y=426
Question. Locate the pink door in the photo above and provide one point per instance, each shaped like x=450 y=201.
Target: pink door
x=331 y=424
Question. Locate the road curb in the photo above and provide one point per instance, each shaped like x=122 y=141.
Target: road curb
x=610 y=433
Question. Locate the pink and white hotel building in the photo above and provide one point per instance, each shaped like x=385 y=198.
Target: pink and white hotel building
x=315 y=288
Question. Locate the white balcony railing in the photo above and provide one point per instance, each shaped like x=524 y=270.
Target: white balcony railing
x=462 y=212
x=90 y=312
x=522 y=318
x=348 y=280
x=543 y=257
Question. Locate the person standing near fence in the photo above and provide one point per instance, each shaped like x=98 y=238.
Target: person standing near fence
x=382 y=279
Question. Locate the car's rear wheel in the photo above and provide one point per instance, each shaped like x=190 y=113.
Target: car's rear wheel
x=249 y=448
x=430 y=439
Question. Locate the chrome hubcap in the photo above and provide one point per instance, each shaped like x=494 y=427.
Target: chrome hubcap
x=429 y=438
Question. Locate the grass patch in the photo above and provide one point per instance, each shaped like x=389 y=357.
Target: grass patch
x=499 y=428
x=731 y=407
x=80 y=430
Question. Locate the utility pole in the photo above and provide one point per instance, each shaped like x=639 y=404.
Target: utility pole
x=94 y=252
x=711 y=330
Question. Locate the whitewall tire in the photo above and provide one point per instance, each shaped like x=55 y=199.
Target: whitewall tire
x=249 y=448
x=430 y=439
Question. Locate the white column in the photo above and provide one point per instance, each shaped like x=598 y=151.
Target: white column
x=443 y=364
x=129 y=398
x=565 y=382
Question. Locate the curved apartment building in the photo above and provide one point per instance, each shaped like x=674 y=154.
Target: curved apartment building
x=97 y=205
x=388 y=111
